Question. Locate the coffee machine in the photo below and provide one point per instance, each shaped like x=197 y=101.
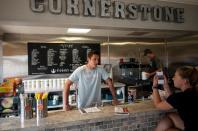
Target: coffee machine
x=130 y=73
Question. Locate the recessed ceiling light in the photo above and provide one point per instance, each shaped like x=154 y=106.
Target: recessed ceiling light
x=78 y=30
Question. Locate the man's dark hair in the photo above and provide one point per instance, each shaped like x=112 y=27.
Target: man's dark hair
x=91 y=53
x=147 y=51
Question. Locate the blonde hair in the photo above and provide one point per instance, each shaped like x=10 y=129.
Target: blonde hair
x=189 y=73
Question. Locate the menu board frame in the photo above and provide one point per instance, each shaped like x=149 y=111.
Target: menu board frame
x=57 y=58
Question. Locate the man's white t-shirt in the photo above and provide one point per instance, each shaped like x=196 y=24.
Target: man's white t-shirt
x=89 y=85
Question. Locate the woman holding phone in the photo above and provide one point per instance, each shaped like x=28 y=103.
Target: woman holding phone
x=185 y=102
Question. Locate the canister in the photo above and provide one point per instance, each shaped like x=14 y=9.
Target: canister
x=28 y=108
x=41 y=108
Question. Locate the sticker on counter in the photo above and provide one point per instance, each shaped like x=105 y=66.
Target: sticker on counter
x=121 y=110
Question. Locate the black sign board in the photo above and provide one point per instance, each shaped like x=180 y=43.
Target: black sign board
x=57 y=58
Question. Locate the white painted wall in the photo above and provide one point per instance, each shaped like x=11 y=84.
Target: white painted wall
x=15 y=66
x=1 y=61
x=17 y=12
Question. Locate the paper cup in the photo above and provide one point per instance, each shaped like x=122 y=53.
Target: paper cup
x=144 y=77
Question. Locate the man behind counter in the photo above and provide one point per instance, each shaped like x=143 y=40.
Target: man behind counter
x=155 y=64
x=88 y=78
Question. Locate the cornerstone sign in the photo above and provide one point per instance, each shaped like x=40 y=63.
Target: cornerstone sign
x=108 y=9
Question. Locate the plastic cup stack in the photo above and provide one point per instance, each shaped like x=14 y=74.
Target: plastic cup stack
x=38 y=85
x=33 y=85
x=50 y=84
x=29 y=85
x=58 y=83
x=42 y=87
x=25 y=85
x=54 y=83
x=46 y=84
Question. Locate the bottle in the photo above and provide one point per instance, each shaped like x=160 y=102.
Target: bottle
x=22 y=113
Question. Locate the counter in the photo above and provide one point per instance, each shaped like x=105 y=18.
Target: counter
x=143 y=116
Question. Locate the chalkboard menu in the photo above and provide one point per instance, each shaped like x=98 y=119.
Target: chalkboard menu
x=57 y=58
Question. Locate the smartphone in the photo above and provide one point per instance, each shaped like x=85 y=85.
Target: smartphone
x=160 y=76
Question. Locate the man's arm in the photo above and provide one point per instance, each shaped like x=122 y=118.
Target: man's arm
x=153 y=73
x=112 y=89
x=66 y=94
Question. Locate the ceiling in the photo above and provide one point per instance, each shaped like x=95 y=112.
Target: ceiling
x=189 y=2
x=113 y=33
x=94 y=33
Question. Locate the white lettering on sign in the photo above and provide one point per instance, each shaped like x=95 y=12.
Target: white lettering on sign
x=55 y=6
x=89 y=8
x=107 y=9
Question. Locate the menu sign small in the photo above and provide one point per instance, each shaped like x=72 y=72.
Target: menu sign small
x=57 y=58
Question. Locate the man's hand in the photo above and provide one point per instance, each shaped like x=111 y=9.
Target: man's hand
x=66 y=92
x=115 y=102
x=147 y=75
x=68 y=108
x=112 y=89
